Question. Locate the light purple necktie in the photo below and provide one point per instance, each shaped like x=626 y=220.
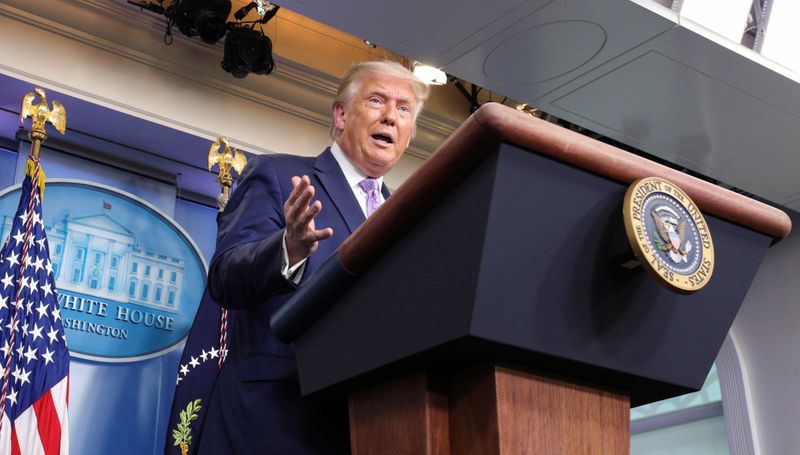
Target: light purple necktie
x=370 y=186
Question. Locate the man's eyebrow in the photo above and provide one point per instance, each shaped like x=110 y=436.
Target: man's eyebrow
x=384 y=94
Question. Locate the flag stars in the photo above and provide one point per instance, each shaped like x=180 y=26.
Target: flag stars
x=13 y=259
x=30 y=354
x=193 y=362
x=12 y=396
x=213 y=352
x=52 y=334
x=46 y=288
x=48 y=356
x=37 y=219
x=42 y=310
x=34 y=286
x=24 y=376
x=7 y=281
x=204 y=355
x=184 y=369
x=18 y=238
x=21 y=375
x=12 y=325
x=37 y=332
x=38 y=264
x=28 y=320
x=5 y=349
x=23 y=283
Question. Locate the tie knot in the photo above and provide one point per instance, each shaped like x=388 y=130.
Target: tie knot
x=369 y=185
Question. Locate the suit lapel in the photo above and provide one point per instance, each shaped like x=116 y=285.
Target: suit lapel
x=333 y=182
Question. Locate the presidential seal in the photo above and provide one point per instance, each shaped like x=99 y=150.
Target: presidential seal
x=668 y=234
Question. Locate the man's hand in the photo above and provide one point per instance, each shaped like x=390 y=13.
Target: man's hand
x=301 y=237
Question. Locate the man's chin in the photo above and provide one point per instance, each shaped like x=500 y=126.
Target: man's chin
x=378 y=168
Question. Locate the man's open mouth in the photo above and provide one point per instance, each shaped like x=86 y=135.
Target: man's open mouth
x=383 y=138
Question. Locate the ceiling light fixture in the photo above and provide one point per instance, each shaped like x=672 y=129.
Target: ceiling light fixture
x=247 y=50
x=204 y=18
x=429 y=74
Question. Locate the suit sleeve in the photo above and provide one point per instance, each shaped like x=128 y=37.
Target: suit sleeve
x=246 y=267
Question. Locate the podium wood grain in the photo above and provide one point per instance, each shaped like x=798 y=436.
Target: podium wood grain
x=488 y=410
x=402 y=416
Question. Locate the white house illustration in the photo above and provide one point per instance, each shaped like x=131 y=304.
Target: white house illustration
x=98 y=256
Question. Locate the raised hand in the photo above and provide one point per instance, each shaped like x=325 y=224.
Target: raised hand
x=302 y=238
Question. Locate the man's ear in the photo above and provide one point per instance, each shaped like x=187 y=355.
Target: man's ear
x=338 y=116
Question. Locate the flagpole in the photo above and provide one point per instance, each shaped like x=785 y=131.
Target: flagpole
x=41 y=114
x=17 y=301
x=36 y=142
x=227 y=161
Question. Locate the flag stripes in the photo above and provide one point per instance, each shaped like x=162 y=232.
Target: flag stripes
x=35 y=360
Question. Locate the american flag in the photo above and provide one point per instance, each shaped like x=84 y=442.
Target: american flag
x=33 y=351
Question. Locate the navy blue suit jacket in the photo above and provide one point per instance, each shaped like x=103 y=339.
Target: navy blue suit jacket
x=256 y=405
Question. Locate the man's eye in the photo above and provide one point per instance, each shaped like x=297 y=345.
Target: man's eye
x=374 y=100
x=404 y=109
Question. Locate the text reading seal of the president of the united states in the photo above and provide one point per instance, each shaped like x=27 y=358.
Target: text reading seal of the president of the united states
x=668 y=234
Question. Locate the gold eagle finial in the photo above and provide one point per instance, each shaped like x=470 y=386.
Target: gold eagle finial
x=227 y=159
x=42 y=114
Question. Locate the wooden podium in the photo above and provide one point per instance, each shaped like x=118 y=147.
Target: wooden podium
x=482 y=309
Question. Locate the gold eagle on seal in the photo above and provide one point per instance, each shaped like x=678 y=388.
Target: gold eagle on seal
x=672 y=233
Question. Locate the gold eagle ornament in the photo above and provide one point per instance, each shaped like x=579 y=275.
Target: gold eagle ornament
x=227 y=159
x=42 y=114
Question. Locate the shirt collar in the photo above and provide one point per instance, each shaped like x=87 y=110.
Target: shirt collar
x=351 y=172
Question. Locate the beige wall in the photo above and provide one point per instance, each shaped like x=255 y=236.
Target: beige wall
x=122 y=63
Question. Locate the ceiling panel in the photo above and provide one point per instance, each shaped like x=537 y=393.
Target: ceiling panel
x=422 y=29
x=696 y=121
x=557 y=43
x=632 y=70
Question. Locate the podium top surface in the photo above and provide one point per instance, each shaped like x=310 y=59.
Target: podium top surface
x=493 y=124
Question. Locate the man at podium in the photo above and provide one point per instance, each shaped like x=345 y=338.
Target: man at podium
x=286 y=217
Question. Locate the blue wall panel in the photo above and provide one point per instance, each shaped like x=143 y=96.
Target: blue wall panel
x=8 y=167
x=200 y=222
x=62 y=165
x=121 y=408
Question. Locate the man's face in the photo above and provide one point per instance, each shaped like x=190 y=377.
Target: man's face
x=374 y=127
